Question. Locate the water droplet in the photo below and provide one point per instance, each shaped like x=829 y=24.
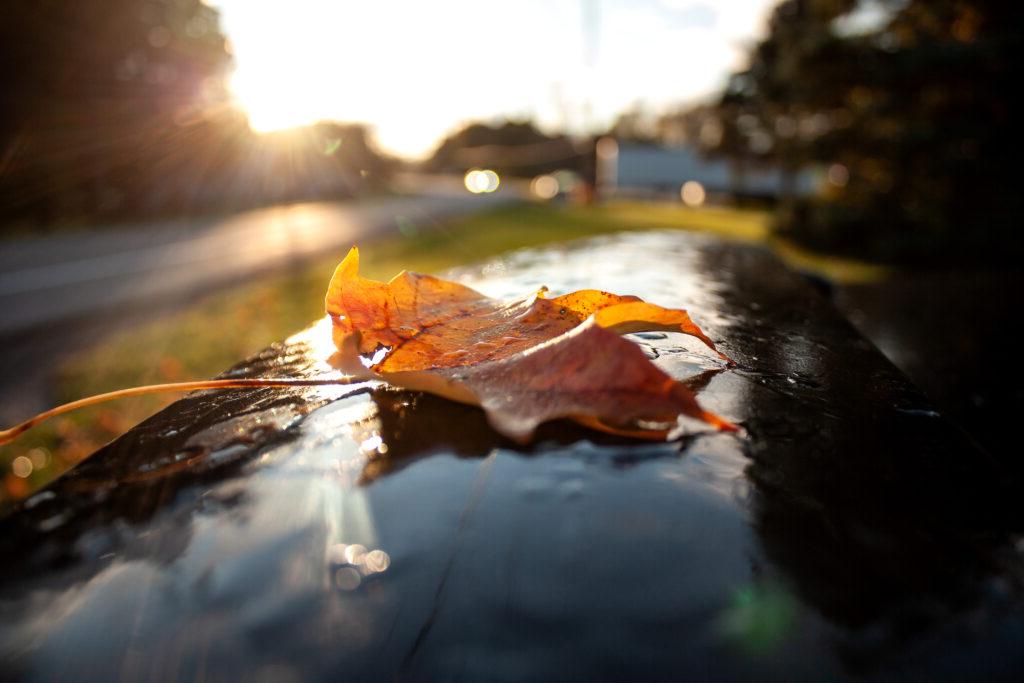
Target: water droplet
x=227 y=454
x=40 y=497
x=372 y=444
x=355 y=553
x=347 y=578
x=51 y=523
x=652 y=335
x=376 y=561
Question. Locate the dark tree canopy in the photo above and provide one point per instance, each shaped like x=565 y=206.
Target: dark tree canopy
x=514 y=148
x=102 y=98
x=911 y=106
x=120 y=108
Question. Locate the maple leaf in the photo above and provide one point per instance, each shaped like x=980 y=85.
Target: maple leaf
x=524 y=362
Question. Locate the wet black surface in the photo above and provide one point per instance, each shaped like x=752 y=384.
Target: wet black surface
x=947 y=329
x=361 y=533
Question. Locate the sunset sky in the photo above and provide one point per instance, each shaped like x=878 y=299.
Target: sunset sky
x=415 y=70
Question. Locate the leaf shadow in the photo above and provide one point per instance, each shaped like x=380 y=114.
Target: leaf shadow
x=415 y=426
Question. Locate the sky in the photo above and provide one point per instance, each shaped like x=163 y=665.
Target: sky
x=415 y=71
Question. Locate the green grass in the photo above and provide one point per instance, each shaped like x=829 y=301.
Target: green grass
x=223 y=328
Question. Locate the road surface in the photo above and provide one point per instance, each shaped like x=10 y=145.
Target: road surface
x=62 y=292
x=45 y=280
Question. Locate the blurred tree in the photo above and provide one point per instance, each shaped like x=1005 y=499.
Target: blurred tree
x=325 y=160
x=513 y=148
x=119 y=108
x=909 y=106
x=104 y=98
x=637 y=124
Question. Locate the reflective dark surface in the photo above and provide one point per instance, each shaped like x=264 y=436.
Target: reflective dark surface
x=360 y=533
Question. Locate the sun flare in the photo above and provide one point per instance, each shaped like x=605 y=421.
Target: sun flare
x=416 y=70
x=272 y=105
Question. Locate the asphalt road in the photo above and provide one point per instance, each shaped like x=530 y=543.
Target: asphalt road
x=48 y=279
x=65 y=291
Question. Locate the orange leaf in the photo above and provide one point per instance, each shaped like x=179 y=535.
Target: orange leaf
x=524 y=361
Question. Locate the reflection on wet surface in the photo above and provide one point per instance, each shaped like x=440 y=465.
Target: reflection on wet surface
x=366 y=533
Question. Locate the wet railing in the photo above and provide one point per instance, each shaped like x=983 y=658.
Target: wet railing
x=364 y=533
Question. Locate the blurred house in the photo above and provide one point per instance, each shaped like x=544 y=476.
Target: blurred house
x=648 y=170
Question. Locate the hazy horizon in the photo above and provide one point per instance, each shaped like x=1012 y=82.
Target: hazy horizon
x=569 y=66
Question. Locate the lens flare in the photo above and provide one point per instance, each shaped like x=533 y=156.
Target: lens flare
x=692 y=193
x=838 y=175
x=544 y=187
x=481 y=181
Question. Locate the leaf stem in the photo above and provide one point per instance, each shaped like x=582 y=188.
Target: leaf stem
x=9 y=435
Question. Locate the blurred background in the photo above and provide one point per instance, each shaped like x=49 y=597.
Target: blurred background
x=178 y=177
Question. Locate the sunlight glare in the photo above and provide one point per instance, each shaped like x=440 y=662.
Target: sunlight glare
x=416 y=73
x=272 y=104
x=480 y=181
